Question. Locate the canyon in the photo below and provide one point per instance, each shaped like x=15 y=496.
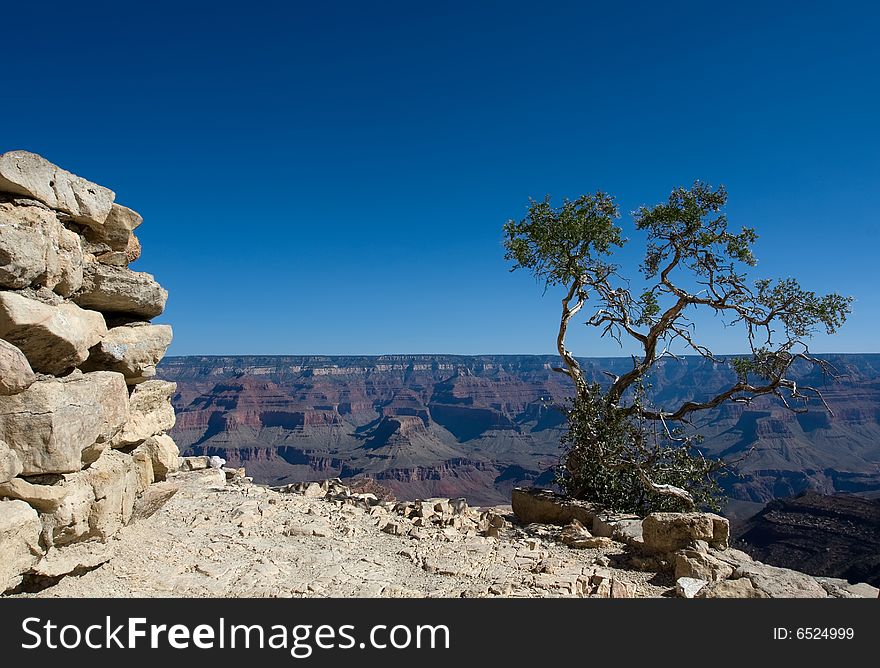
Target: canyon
x=477 y=426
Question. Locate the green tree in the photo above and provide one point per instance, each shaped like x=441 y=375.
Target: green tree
x=621 y=450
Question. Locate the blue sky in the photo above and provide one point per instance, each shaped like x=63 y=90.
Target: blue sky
x=333 y=179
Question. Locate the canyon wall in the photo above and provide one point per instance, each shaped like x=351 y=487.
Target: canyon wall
x=83 y=420
x=476 y=426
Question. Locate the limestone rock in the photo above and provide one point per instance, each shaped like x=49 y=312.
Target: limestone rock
x=37 y=250
x=592 y=543
x=193 y=463
x=574 y=534
x=864 y=590
x=99 y=501
x=164 y=454
x=53 y=421
x=532 y=505
x=604 y=524
x=780 y=582
x=720 y=532
x=112 y=289
x=689 y=587
x=144 y=466
x=44 y=498
x=629 y=532
x=700 y=566
x=741 y=588
x=10 y=464
x=29 y=174
x=622 y=589
x=732 y=556
x=114 y=480
x=117 y=228
x=113 y=258
x=19 y=542
x=150 y=413
x=669 y=532
x=53 y=338
x=16 y=374
x=134 y=351
x=73 y=559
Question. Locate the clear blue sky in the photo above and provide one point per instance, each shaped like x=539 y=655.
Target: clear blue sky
x=333 y=177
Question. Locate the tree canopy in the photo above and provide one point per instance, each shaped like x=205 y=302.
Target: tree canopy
x=693 y=260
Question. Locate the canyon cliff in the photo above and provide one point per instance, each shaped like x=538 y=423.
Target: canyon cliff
x=476 y=426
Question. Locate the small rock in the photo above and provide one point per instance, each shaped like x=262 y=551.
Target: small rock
x=689 y=587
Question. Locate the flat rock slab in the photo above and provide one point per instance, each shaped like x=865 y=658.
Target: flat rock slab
x=112 y=289
x=542 y=506
x=31 y=175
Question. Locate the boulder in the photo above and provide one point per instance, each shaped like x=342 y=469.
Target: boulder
x=542 y=506
x=19 y=542
x=44 y=498
x=16 y=374
x=780 y=582
x=622 y=589
x=31 y=175
x=10 y=464
x=741 y=588
x=134 y=351
x=37 y=250
x=117 y=228
x=99 y=501
x=163 y=453
x=150 y=413
x=143 y=462
x=112 y=289
x=701 y=566
x=732 y=556
x=193 y=463
x=669 y=532
x=53 y=421
x=574 y=534
x=604 y=524
x=54 y=339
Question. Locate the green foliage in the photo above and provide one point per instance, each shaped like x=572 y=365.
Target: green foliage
x=691 y=228
x=621 y=453
x=607 y=451
x=560 y=244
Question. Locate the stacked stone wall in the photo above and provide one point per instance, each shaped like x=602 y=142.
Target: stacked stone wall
x=83 y=421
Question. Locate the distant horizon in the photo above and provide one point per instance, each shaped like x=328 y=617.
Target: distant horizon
x=555 y=355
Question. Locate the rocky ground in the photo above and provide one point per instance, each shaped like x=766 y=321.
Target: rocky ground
x=213 y=533
x=213 y=539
